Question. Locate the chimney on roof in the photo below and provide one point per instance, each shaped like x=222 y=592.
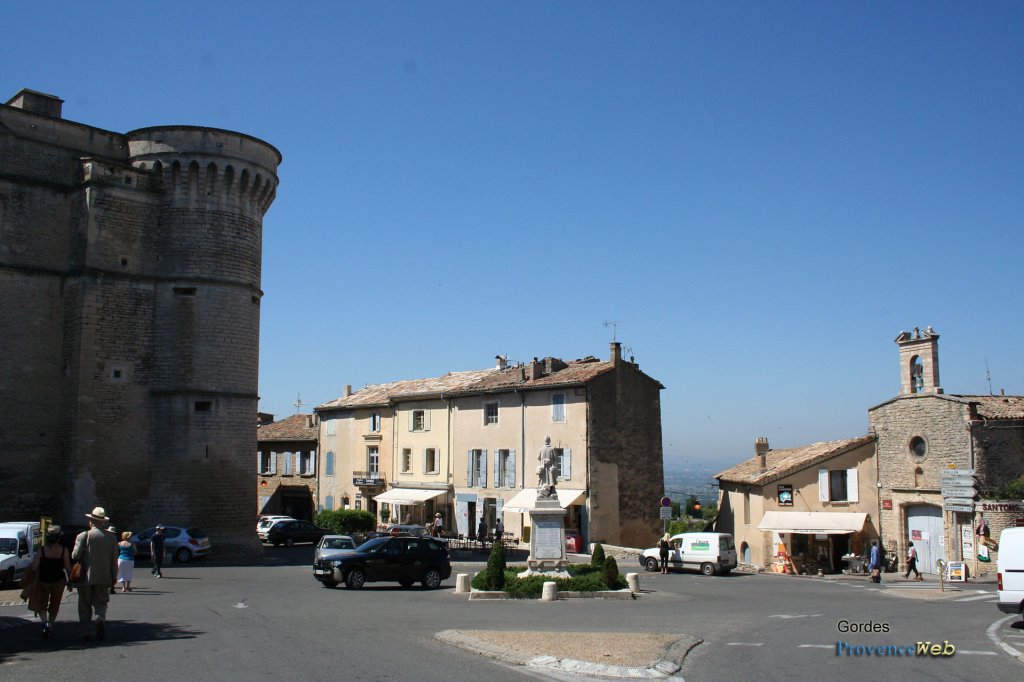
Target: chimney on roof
x=616 y=353
x=761 y=450
x=37 y=103
x=348 y=390
x=502 y=362
x=535 y=370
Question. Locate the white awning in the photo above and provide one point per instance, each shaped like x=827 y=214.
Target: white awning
x=824 y=523
x=526 y=499
x=408 y=495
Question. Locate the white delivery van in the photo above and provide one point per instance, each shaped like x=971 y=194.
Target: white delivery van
x=1010 y=571
x=709 y=553
x=20 y=541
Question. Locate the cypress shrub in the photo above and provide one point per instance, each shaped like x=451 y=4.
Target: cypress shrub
x=610 y=573
x=494 y=574
x=597 y=558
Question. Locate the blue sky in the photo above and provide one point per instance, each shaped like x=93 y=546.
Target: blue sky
x=762 y=194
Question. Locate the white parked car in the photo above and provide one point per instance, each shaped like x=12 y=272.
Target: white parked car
x=709 y=553
x=1010 y=571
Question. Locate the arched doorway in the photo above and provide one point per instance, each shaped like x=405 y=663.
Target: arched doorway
x=925 y=530
x=745 y=552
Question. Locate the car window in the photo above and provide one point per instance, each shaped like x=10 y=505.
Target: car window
x=434 y=546
x=196 y=533
x=413 y=547
x=172 y=532
x=339 y=543
x=393 y=548
x=147 y=534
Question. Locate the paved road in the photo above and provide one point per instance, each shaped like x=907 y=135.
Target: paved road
x=208 y=622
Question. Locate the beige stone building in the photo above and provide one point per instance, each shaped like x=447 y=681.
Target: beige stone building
x=813 y=504
x=286 y=466
x=465 y=445
x=923 y=431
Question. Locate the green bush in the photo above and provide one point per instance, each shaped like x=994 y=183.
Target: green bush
x=494 y=574
x=346 y=520
x=610 y=572
x=597 y=558
x=585 y=578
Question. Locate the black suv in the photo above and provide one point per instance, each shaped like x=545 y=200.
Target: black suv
x=290 y=532
x=404 y=559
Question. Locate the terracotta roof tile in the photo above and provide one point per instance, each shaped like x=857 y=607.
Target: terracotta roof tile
x=295 y=427
x=409 y=389
x=784 y=462
x=997 y=406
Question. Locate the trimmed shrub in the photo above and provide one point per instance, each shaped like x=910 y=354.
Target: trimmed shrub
x=610 y=572
x=494 y=574
x=346 y=520
x=597 y=558
x=585 y=578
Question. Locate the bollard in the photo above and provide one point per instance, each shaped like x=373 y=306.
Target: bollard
x=550 y=592
x=633 y=580
x=462 y=583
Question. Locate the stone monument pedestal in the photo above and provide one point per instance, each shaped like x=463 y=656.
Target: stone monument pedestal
x=547 y=540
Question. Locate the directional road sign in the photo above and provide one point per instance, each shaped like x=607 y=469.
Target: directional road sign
x=964 y=481
x=958 y=501
x=958 y=491
x=947 y=473
x=958 y=507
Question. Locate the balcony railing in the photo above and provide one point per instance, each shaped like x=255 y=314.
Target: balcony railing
x=367 y=478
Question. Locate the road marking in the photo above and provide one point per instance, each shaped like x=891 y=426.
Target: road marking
x=816 y=646
x=978 y=597
x=965 y=652
x=799 y=615
x=745 y=644
x=993 y=635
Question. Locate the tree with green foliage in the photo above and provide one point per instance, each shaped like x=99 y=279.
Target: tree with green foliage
x=709 y=511
x=677 y=509
x=610 y=572
x=494 y=574
x=597 y=558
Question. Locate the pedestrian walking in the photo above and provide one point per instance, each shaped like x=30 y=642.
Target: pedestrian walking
x=125 y=561
x=875 y=562
x=96 y=551
x=664 y=547
x=438 y=524
x=481 y=531
x=156 y=550
x=52 y=566
x=912 y=562
x=499 y=529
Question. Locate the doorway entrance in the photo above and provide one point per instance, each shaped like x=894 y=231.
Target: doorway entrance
x=925 y=530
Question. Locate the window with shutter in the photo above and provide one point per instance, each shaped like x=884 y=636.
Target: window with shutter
x=510 y=475
x=287 y=459
x=823 y=485
x=259 y=462
x=837 y=485
x=558 y=407
x=329 y=503
x=430 y=461
x=273 y=462
x=482 y=468
x=470 y=466
x=852 y=491
x=498 y=467
x=565 y=464
x=329 y=464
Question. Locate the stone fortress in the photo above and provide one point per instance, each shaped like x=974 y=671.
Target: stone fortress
x=130 y=302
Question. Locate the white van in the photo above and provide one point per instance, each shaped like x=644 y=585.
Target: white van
x=709 y=553
x=1010 y=571
x=20 y=541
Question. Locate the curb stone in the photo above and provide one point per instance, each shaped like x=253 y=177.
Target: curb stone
x=664 y=668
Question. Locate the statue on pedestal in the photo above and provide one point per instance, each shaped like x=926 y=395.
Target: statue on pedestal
x=547 y=472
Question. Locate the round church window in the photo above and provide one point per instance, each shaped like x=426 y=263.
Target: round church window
x=918 y=448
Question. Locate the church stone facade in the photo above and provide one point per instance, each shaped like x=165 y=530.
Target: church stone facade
x=130 y=295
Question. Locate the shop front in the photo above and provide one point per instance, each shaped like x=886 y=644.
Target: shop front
x=817 y=542
x=412 y=505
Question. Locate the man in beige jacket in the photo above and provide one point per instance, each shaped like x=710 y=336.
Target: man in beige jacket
x=96 y=550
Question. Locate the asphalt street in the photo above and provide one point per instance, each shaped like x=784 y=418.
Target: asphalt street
x=213 y=622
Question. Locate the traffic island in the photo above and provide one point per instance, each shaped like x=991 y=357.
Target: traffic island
x=595 y=654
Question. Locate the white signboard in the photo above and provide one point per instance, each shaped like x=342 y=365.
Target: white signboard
x=547 y=538
x=666 y=513
x=967 y=542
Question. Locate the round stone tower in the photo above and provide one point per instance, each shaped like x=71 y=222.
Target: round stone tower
x=212 y=188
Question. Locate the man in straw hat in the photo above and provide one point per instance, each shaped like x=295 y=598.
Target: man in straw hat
x=96 y=550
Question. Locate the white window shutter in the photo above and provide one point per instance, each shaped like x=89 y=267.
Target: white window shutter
x=412 y=423
x=511 y=475
x=565 y=467
x=426 y=420
x=483 y=468
x=823 y=485
x=273 y=462
x=259 y=462
x=852 y=493
x=497 y=468
x=470 y=461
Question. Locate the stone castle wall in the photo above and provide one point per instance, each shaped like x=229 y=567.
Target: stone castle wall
x=131 y=265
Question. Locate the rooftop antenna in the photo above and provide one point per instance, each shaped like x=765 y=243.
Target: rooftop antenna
x=988 y=377
x=614 y=324
x=298 y=403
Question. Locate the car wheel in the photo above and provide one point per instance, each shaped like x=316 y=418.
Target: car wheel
x=183 y=556
x=289 y=542
x=707 y=569
x=432 y=579
x=330 y=583
x=651 y=564
x=355 y=579
x=406 y=582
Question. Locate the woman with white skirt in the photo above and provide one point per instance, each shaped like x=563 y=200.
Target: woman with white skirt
x=125 y=561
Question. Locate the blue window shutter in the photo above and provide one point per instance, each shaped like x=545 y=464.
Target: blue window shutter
x=470 y=456
x=511 y=475
x=497 y=468
x=483 y=468
x=273 y=463
x=565 y=466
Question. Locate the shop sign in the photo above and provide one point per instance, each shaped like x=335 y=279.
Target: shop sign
x=785 y=496
x=886 y=504
x=1001 y=507
x=967 y=541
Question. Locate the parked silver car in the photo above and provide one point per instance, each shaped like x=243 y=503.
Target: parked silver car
x=332 y=544
x=181 y=544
